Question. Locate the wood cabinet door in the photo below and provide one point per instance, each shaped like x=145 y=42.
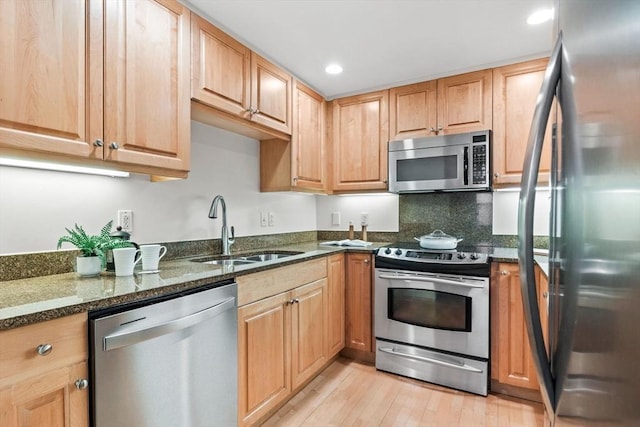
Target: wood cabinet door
x=147 y=73
x=464 y=103
x=336 y=303
x=543 y=304
x=220 y=68
x=51 y=71
x=515 y=90
x=271 y=95
x=51 y=399
x=307 y=142
x=512 y=362
x=308 y=330
x=413 y=110
x=360 y=138
x=264 y=337
x=358 y=302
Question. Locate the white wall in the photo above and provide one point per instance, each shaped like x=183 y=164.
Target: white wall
x=35 y=205
x=505 y=212
x=382 y=209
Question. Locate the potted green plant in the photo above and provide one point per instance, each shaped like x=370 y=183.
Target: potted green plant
x=93 y=248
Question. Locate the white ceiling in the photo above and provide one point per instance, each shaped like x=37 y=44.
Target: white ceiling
x=382 y=43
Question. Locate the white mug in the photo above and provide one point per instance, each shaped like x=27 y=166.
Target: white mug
x=151 y=255
x=125 y=260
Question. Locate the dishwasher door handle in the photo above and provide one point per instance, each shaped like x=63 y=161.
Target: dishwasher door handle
x=118 y=340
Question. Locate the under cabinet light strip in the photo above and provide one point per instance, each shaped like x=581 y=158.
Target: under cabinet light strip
x=61 y=167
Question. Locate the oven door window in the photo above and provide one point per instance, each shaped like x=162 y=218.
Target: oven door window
x=430 y=309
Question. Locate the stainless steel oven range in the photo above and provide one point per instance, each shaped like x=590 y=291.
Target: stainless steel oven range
x=431 y=315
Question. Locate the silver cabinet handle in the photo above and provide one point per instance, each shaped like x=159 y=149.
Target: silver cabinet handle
x=526 y=205
x=366 y=261
x=82 y=384
x=504 y=272
x=44 y=349
x=123 y=339
x=462 y=367
x=98 y=143
x=429 y=279
x=114 y=145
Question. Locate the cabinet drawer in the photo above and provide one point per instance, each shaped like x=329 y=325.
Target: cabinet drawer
x=19 y=347
x=256 y=286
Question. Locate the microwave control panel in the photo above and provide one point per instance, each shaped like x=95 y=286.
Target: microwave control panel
x=480 y=164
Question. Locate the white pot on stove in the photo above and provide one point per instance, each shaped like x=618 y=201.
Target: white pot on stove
x=438 y=240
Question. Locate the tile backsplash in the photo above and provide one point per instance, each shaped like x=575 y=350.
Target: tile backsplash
x=465 y=215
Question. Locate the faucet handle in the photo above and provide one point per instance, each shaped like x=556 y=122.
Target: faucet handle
x=232 y=239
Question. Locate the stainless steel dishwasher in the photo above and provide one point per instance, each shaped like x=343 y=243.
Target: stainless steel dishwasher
x=169 y=361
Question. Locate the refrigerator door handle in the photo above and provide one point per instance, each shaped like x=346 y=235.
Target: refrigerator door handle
x=525 y=225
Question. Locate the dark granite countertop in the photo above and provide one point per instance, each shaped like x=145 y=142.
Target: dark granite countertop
x=27 y=301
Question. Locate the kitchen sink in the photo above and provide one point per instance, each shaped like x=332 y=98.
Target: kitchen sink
x=267 y=257
x=243 y=259
x=226 y=262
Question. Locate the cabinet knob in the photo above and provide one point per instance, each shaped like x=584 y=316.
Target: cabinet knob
x=98 y=143
x=432 y=129
x=366 y=261
x=496 y=175
x=439 y=128
x=504 y=272
x=295 y=179
x=114 y=145
x=545 y=295
x=44 y=349
x=82 y=384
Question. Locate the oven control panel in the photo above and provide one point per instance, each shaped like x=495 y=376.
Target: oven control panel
x=420 y=255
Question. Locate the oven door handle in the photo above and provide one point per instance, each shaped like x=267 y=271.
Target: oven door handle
x=430 y=279
x=430 y=360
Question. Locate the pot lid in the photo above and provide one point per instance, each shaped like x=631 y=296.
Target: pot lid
x=437 y=235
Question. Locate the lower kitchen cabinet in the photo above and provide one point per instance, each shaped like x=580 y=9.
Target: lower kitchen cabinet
x=281 y=338
x=512 y=368
x=336 y=303
x=359 y=302
x=43 y=375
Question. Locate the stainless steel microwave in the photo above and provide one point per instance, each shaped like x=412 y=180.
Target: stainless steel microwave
x=460 y=162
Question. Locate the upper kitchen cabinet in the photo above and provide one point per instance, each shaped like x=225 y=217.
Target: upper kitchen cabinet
x=449 y=105
x=51 y=74
x=464 y=103
x=221 y=69
x=299 y=164
x=516 y=88
x=146 y=99
x=413 y=110
x=360 y=133
x=91 y=81
x=251 y=96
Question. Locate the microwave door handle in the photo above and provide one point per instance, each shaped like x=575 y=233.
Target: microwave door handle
x=466 y=166
x=526 y=205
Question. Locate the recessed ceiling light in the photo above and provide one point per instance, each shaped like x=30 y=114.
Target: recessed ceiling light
x=333 y=69
x=540 y=16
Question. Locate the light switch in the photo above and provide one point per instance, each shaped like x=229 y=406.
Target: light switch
x=335 y=218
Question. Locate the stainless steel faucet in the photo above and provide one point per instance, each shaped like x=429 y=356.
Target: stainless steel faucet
x=213 y=213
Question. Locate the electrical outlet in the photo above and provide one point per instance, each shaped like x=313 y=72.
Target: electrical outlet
x=263 y=219
x=364 y=218
x=125 y=220
x=272 y=219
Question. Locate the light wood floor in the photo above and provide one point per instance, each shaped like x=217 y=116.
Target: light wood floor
x=349 y=393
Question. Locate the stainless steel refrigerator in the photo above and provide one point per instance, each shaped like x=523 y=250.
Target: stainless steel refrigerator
x=590 y=375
